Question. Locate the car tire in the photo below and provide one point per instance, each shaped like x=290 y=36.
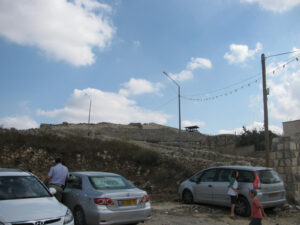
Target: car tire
x=79 y=217
x=242 y=207
x=187 y=197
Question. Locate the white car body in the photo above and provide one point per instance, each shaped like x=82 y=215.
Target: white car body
x=32 y=210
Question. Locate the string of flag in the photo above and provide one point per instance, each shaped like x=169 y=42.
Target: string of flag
x=282 y=66
x=253 y=81
x=223 y=94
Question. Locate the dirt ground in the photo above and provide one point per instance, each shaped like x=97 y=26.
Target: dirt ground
x=175 y=213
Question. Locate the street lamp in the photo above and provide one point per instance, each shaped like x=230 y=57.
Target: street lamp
x=179 y=110
x=89 y=107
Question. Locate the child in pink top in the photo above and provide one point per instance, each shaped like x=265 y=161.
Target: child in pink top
x=256 y=208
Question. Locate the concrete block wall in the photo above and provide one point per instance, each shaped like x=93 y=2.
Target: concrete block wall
x=285 y=158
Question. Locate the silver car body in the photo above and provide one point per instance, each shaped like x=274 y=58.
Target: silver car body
x=80 y=194
x=211 y=186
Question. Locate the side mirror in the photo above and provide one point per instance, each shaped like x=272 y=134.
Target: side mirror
x=52 y=190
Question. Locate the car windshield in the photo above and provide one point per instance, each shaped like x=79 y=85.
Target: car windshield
x=268 y=177
x=17 y=187
x=110 y=182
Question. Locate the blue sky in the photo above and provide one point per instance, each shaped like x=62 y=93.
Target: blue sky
x=57 y=56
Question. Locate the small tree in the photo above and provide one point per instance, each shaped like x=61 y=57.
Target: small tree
x=254 y=137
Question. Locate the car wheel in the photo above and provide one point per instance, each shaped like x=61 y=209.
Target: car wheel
x=242 y=207
x=79 y=217
x=187 y=197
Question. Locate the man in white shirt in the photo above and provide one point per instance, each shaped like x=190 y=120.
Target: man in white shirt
x=57 y=178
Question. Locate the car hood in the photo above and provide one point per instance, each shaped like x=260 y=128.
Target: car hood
x=17 y=210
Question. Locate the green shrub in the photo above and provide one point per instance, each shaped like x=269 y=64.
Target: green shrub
x=146 y=157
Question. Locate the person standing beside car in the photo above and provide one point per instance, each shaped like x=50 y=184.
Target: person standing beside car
x=57 y=177
x=233 y=191
x=256 y=208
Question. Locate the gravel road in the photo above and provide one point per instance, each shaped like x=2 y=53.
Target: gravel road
x=175 y=213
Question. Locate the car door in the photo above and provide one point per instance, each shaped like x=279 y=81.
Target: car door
x=72 y=192
x=220 y=187
x=203 y=187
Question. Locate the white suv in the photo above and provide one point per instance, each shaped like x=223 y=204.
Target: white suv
x=24 y=199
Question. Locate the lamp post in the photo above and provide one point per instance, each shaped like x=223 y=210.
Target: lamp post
x=179 y=110
x=89 y=107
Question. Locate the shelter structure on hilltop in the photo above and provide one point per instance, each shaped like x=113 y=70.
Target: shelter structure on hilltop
x=192 y=128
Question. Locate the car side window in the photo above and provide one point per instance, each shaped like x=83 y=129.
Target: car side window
x=224 y=175
x=196 y=177
x=75 y=183
x=208 y=175
x=246 y=176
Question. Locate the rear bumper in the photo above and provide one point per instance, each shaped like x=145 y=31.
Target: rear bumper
x=108 y=217
x=268 y=204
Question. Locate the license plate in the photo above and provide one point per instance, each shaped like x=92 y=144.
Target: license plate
x=127 y=202
x=273 y=195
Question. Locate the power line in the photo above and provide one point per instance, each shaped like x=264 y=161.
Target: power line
x=226 y=87
x=283 y=65
x=225 y=94
x=284 y=53
x=166 y=103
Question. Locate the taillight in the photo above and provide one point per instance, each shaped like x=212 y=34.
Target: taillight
x=256 y=183
x=145 y=198
x=103 y=201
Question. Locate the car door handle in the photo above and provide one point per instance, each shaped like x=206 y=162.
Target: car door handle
x=210 y=185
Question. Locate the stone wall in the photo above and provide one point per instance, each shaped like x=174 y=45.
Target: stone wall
x=291 y=128
x=237 y=151
x=285 y=158
x=150 y=132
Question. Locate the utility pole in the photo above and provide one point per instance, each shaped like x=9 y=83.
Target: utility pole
x=265 y=98
x=179 y=109
x=90 y=110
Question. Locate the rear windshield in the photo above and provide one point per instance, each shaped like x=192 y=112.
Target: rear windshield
x=268 y=177
x=110 y=183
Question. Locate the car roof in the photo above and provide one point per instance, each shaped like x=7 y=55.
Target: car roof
x=13 y=172
x=93 y=173
x=251 y=168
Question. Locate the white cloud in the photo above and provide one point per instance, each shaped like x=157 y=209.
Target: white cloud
x=240 y=53
x=139 y=86
x=199 y=63
x=284 y=101
x=187 y=123
x=296 y=52
x=18 y=122
x=254 y=126
x=194 y=64
x=62 y=29
x=183 y=75
x=106 y=107
x=277 y=6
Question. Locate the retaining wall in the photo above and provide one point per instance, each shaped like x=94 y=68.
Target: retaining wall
x=285 y=158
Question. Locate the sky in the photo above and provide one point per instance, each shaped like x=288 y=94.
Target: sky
x=61 y=59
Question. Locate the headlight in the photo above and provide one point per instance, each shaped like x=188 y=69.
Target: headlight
x=68 y=217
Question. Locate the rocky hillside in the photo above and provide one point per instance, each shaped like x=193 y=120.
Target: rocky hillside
x=148 y=154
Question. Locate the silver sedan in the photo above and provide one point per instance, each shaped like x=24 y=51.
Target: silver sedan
x=105 y=198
